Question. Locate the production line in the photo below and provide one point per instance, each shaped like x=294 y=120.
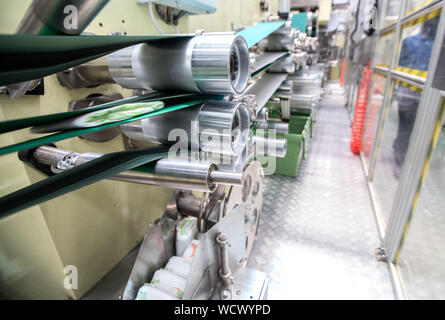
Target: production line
x=209 y=112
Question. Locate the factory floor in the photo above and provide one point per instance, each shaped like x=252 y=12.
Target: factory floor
x=317 y=232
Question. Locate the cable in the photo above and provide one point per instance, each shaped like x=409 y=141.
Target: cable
x=172 y=21
x=150 y=7
x=356 y=22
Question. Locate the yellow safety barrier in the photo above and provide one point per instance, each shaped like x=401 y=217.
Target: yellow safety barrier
x=417 y=7
x=408 y=85
x=429 y=16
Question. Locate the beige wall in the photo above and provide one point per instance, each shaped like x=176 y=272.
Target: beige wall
x=95 y=227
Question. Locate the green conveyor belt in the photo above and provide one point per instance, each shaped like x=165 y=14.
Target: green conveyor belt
x=92 y=171
x=16 y=124
x=169 y=106
x=259 y=31
x=299 y=21
x=28 y=57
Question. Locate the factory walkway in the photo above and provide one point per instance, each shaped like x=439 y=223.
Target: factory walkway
x=317 y=232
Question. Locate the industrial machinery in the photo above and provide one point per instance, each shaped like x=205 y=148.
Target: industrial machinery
x=221 y=102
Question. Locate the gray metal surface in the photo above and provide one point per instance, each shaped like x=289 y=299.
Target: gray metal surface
x=248 y=284
x=264 y=59
x=220 y=127
x=317 y=233
x=265 y=87
x=209 y=63
x=177 y=173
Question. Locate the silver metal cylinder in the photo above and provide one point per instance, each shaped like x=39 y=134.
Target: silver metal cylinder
x=280 y=42
x=278 y=126
x=226 y=177
x=52 y=16
x=263 y=114
x=225 y=273
x=176 y=173
x=227 y=123
x=306 y=81
x=89 y=74
x=217 y=63
x=47 y=17
x=304 y=98
x=282 y=39
x=216 y=126
x=284 y=6
x=270 y=147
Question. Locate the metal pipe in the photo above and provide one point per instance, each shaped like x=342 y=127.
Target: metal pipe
x=304 y=98
x=52 y=16
x=284 y=10
x=278 y=126
x=220 y=127
x=224 y=271
x=303 y=81
x=226 y=177
x=270 y=147
x=168 y=172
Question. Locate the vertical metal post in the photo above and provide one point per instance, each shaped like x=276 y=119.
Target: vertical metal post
x=224 y=272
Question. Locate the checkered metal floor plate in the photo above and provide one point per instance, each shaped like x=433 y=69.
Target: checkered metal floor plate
x=317 y=232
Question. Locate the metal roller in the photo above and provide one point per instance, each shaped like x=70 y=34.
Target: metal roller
x=270 y=147
x=47 y=17
x=220 y=127
x=229 y=162
x=304 y=99
x=306 y=81
x=209 y=63
x=281 y=40
x=278 y=126
x=176 y=173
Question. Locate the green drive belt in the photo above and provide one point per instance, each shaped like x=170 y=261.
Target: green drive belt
x=259 y=31
x=170 y=106
x=29 y=57
x=299 y=21
x=92 y=171
x=268 y=65
x=16 y=124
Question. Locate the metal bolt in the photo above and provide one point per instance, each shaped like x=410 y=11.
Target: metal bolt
x=380 y=254
x=226 y=294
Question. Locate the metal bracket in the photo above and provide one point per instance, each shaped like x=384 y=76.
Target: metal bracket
x=68 y=162
x=380 y=254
